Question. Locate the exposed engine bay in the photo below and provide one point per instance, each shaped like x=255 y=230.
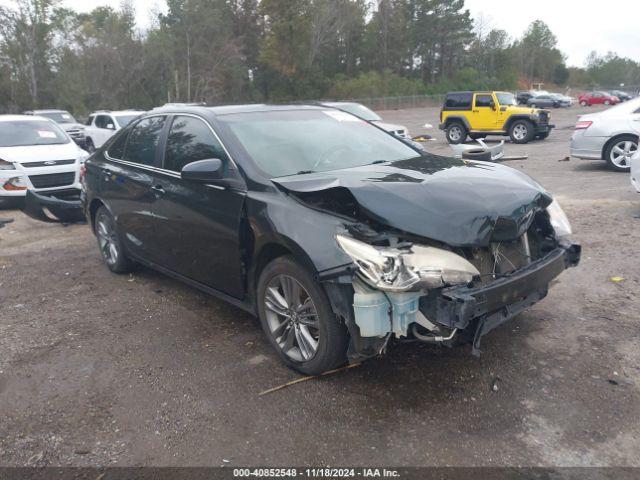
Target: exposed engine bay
x=409 y=283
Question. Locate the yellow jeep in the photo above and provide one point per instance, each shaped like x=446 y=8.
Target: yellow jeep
x=479 y=114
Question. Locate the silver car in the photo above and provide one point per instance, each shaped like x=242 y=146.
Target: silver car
x=610 y=135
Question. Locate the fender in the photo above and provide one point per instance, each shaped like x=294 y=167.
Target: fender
x=458 y=118
x=513 y=118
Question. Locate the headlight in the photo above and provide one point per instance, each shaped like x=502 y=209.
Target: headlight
x=4 y=165
x=412 y=268
x=559 y=220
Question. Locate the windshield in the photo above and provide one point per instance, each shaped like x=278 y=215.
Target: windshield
x=124 y=120
x=303 y=141
x=358 y=110
x=30 y=132
x=505 y=98
x=59 y=117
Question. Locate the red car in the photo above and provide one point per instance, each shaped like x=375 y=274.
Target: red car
x=597 y=98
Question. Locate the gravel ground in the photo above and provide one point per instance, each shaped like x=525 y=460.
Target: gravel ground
x=100 y=369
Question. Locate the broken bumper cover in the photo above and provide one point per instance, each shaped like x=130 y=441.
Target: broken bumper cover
x=55 y=207
x=485 y=307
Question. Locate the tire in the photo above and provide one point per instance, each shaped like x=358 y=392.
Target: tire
x=584 y=103
x=109 y=243
x=542 y=136
x=311 y=343
x=607 y=102
x=89 y=146
x=456 y=133
x=618 y=152
x=521 y=131
x=479 y=154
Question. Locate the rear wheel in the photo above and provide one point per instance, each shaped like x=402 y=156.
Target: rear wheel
x=521 y=131
x=456 y=133
x=109 y=243
x=619 y=152
x=297 y=318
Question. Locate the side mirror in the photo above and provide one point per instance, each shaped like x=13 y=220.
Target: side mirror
x=203 y=171
x=111 y=126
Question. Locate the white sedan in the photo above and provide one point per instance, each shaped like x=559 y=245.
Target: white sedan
x=36 y=154
x=610 y=135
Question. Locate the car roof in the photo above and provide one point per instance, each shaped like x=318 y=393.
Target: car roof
x=49 y=111
x=15 y=118
x=230 y=109
x=118 y=112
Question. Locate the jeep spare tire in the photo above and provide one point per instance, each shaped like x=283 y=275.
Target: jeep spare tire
x=456 y=133
x=521 y=131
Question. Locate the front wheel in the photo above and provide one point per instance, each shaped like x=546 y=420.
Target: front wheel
x=607 y=102
x=109 y=243
x=521 y=131
x=456 y=133
x=298 y=320
x=619 y=152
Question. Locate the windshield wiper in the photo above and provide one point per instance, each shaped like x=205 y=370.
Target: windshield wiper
x=304 y=172
x=378 y=162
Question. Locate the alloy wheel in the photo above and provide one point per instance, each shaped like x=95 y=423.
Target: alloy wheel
x=622 y=152
x=292 y=318
x=107 y=239
x=520 y=132
x=455 y=133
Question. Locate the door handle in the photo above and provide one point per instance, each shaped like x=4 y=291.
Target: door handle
x=106 y=174
x=158 y=189
x=476 y=111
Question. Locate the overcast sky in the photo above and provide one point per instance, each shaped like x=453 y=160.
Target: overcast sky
x=579 y=25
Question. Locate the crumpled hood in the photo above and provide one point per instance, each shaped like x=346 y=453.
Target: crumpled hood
x=457 y=202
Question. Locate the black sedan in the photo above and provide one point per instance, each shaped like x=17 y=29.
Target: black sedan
x=551 y=100
x=339 y=236
x=623 y=96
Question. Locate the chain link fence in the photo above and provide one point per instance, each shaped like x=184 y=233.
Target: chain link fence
x=397 y=103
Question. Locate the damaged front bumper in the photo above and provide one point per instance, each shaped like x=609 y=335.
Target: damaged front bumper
x=485 y=307
x=466 y=313
x=61 y=206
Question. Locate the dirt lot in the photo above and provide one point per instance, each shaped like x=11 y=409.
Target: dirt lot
x=100 y=369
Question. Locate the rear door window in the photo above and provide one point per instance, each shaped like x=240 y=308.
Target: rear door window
x=143 y=141
x=190 y=139
x=458 y=101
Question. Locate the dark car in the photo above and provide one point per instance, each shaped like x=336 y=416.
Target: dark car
x=550 y=100
x=339 y=236
x=623 y=96
x=523 y=97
